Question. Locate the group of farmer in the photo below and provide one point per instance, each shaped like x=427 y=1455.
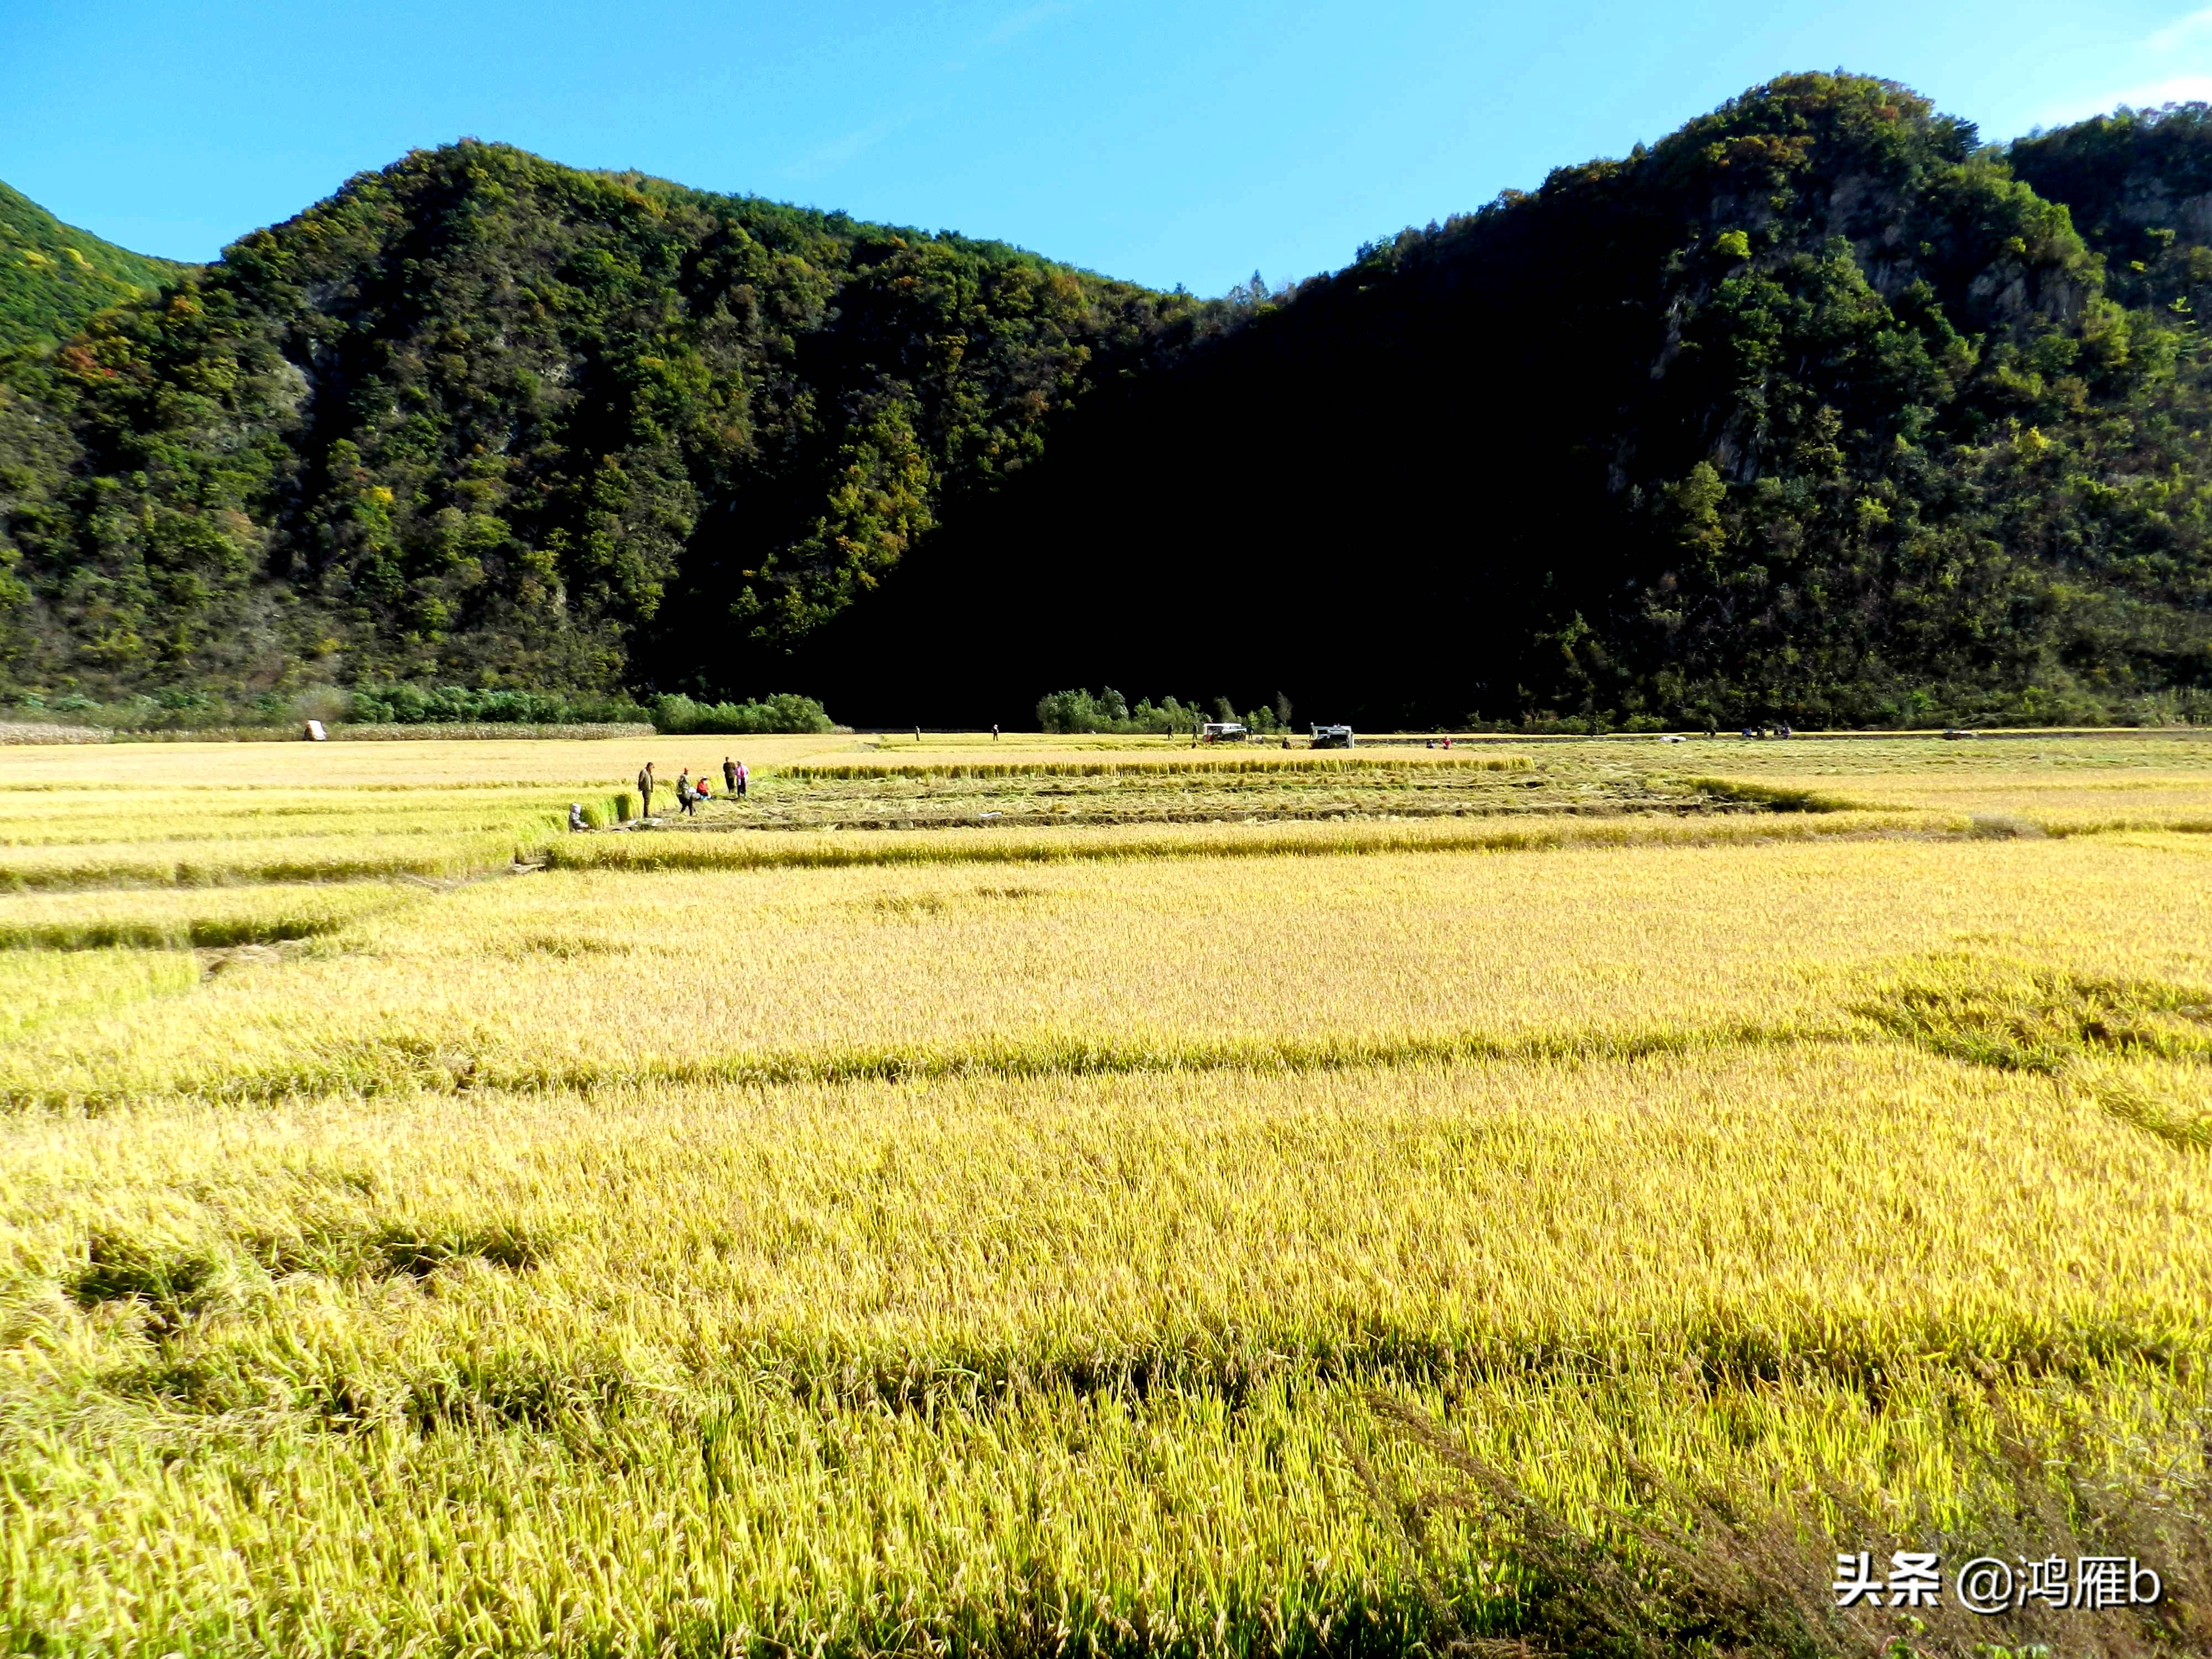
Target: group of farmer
x=690 y=791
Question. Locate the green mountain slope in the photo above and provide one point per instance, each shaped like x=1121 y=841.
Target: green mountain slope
x=1817 y=410
x=479 y=417
x=53 y=276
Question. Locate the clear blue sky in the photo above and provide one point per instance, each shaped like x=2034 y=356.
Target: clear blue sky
x=1167 y=142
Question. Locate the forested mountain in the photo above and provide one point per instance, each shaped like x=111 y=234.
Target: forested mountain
x=1817 y=408
x=1813 y=409
x=482 y=419
x=53 y=276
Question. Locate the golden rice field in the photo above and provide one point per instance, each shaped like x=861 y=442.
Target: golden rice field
x=725 y=1239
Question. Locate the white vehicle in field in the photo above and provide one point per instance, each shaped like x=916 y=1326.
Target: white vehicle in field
x=1332 y=736
x=1222 y=732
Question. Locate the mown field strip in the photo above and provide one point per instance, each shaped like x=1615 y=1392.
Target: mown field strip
x=591 y=764
x=187 y=824
x=831 y=849
x=257 y=862
x=343 y=847
x=1290 y=764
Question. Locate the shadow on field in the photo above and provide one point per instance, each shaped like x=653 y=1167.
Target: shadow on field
x=1690 y=1571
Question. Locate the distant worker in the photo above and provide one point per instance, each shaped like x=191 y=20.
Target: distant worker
x=994 y=731
x=684 y=797
x=917 y=734
x=743 y=781
x=576 y=816
x=729 y=776
x=645 y=782
x=702 y=790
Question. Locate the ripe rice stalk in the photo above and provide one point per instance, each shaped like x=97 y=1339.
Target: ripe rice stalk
x=370 y=845
x=578 y=976
x=881 y=1363
x=922 y=1254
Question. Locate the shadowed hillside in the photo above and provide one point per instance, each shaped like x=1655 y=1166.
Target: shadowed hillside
x=1812 y=411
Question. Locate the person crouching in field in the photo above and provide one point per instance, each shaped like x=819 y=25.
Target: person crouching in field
x=645 y=782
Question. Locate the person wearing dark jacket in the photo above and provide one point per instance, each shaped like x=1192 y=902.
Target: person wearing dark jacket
x=645 y=782
x=729 y=778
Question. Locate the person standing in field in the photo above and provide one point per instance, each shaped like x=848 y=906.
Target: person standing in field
x=744 y=779
x=684 y=794
x=645 y=781
x=729 y=777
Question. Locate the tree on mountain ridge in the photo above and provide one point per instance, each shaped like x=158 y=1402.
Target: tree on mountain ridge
x=53 y=276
